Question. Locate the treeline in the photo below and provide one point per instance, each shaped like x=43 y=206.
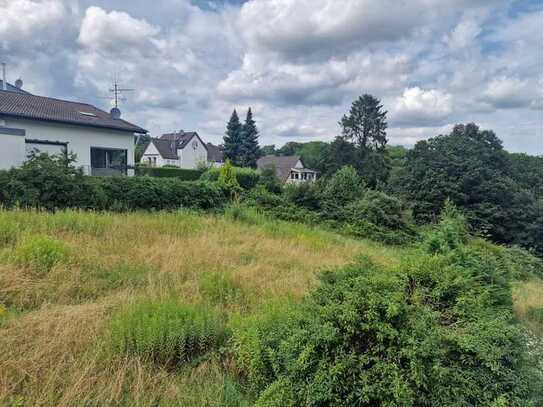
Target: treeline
x=500 y=193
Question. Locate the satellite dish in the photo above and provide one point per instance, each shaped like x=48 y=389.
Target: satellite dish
x=19 y=83
x=115 y=113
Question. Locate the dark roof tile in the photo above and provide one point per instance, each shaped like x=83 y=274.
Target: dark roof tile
x=33 y=107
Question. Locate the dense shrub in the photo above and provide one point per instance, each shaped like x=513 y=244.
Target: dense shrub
x=380 y=217
x=52 y=182
x=41 y=253
x=450 y=233
x=246 y=177
x=372 y=337
x=344 y=187
x=166 y=332
x=305 y=195
x=438 y=330
x=270 y=181
x=46 y=181
x=277 y=207
x=169 y=172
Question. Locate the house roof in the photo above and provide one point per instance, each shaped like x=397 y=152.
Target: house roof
x=168 y=144
x=165 y=148
x=215 y=153
x=27 y=106
x=11 y=88
x=282 y=164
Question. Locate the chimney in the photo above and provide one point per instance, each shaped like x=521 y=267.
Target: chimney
x=4 y=83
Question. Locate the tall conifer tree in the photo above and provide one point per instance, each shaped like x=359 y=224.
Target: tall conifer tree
x=249 y=140
x=233 y=139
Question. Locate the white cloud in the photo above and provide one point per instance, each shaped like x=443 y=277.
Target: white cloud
x=464 y=34
x=508 y=93
x=421 y=107
x=31 y=23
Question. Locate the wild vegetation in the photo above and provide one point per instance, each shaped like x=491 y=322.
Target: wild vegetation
x=363 y=288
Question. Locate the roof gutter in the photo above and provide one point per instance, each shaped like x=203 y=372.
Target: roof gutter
x=137 y=130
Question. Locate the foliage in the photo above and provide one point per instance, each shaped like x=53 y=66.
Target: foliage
x=246 y=177
x=344 y=187
x=166 y=332
x=52 y=183
x=169 y=172
x=233 y=140
x=220 y=288
x=44 y=181
x=268 y=150
x=142 y=141
x=304 y=195
x=470 y=167
x=249 y=142
x=270 y=181
x=227 y=178
x=380 y=217
x=41 y=253
x=365 y=126
x=339 y=153
x=450 y=233
x=437 y=331
x=527 y=171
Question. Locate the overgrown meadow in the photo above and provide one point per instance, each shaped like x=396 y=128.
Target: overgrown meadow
x=190 y=309
x=137 y=309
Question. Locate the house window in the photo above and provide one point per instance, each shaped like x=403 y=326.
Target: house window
x=154 y=161
x=106 y=161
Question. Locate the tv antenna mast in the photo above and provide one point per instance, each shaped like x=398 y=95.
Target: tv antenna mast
x=117 y=91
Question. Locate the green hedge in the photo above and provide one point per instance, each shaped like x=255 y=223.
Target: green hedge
x=50 y=183
x=168 y=172
x=247 y=177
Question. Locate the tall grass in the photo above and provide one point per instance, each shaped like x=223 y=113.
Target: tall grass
x=167 y=332
x=57 y=323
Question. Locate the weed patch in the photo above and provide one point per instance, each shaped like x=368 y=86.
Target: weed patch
x=167 y=332
x=41 y=253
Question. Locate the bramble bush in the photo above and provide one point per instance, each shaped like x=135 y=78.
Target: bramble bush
x=438 y=330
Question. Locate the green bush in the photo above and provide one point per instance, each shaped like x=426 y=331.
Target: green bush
x=169 y=172
x=41 y=253
x=246 y=177
x=166 y=332
x=380 y=217
x=435 y=331
x=343 y=188
x=450 y=233
x=305 y=195
x=53 y=183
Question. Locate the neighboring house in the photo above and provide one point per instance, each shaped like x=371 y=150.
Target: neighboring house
x=289 y=169
x=183 y=150
x=215 y=155
x=103 y=142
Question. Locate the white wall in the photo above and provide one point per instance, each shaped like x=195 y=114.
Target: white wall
x=12 y=151
x=191 y=157
x=80 y=139
x=152 y=152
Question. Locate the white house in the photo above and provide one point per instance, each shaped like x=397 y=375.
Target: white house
x=184 y=150
x=102 y=142
x=289 y=169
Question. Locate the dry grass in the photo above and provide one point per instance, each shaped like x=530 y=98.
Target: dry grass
x=528 y=300
x=52 y=337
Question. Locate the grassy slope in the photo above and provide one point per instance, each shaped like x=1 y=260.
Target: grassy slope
x=56 y=322
x=55 y=328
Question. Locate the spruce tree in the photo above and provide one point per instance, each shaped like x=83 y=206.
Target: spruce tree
x=233 y=140
x=249 y=142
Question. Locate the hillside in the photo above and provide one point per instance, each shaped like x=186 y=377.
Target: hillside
x=64 y=276
x=56 y=321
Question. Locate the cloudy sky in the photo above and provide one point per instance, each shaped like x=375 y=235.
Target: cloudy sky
x=298 y=63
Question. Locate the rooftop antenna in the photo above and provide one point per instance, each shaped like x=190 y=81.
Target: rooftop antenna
x=117 y=91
